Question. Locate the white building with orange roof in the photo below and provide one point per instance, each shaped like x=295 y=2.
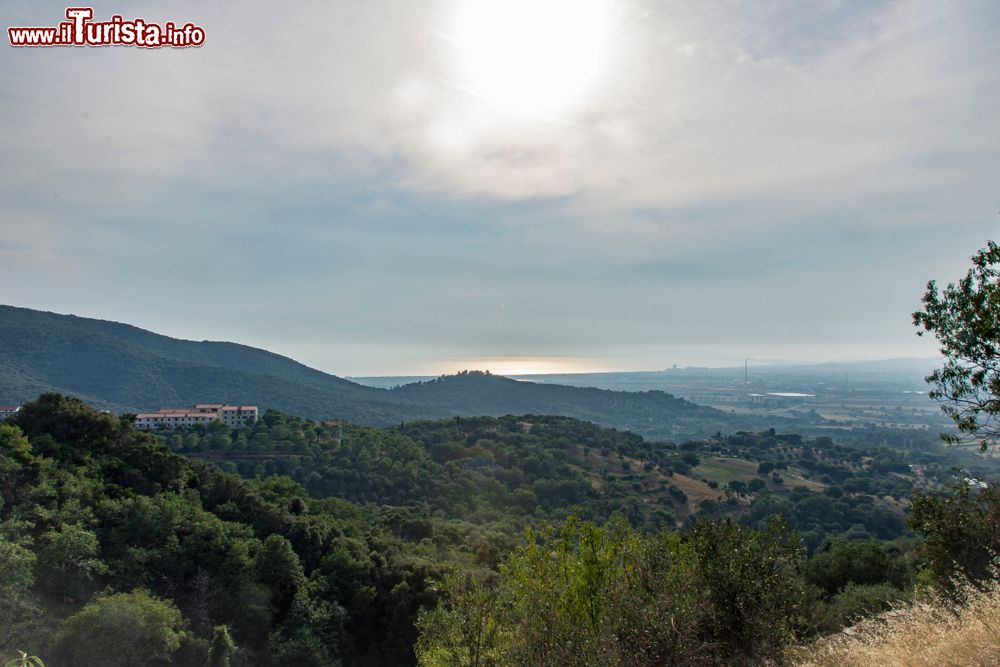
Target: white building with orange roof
x=233 y=416
x=8 y=411
x=208 y=408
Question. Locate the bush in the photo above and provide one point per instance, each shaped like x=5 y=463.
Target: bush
x=121 y=630
x=599 y=596
x=860 y=563
x=856 y=602
x=961 y=532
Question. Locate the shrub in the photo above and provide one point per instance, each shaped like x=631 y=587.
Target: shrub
x=125 y=629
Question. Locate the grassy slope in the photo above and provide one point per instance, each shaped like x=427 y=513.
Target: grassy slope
x=935 y=634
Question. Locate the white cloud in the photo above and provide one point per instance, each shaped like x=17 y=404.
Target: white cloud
x=716 y=101
x=713 y=125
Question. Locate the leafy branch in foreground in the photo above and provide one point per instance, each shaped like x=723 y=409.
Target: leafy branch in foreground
x=965 y=319
x=25 y=660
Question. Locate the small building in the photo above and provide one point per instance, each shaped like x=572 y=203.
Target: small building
x=8 y=411
x=237 y=415
x=207 y=408
x=233 y=416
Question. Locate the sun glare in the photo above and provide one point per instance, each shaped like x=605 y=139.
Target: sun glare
x=527 y=365
x=531 y=56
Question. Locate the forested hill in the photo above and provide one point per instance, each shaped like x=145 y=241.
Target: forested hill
x=90 y=506
x=100 y=522
x=123 y=368
x=652 y=413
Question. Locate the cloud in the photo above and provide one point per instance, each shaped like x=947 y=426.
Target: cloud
x=814 y=104
x=763 y=164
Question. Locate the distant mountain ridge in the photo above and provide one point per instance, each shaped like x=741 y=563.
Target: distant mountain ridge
x=901 y=369
x=124 y=368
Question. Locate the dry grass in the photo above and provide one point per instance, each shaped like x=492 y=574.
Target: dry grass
x=935 y=634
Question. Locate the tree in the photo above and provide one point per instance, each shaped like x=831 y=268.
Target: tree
x=965 y=319
x=863 y=563
x=961 y=532
x=307 y=636
x=223 y=647
x=17 y=609
x=67 y=561
x=463 y=633
x=717 y=593
x=120 y=630
x=277 y=566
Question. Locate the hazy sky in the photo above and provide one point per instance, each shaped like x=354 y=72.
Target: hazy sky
x=401 y=186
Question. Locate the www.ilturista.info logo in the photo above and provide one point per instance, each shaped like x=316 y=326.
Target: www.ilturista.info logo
x=80 y=30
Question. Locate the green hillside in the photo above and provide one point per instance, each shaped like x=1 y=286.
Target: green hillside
x=126 y=369
x=348 y=561
x=531 y=467
x=651 y=413
x=97 y=520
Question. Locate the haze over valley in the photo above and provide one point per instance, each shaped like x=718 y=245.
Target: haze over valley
x=499 y=333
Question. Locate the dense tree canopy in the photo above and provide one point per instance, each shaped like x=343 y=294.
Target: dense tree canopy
x=173 y=549
x=501 y=474
x=717 y=593
x=326 y=552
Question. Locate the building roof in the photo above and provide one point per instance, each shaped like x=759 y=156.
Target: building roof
x=166 y=415
x=9 y=408
x=196 y=412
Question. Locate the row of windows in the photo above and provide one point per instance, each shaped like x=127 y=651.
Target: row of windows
x=188 y=420
x=175 y=419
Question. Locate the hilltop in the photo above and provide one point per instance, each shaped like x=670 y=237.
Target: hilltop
x=123 y=368
x=652 y=413
x=127 y=369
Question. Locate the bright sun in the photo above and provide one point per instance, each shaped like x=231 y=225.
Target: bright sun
x=531 y=56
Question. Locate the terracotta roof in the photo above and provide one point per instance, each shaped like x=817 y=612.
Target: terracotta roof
x=9 y=408
x=176 y=413
x=172 y=415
